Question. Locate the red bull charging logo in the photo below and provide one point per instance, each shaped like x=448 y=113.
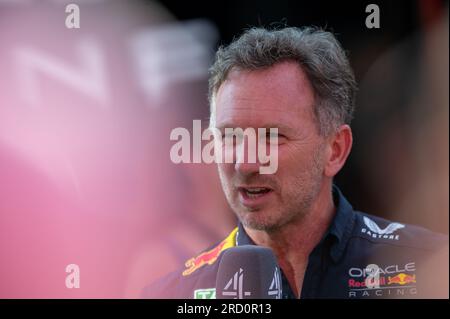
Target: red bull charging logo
x=209 y=257
x=402 y=279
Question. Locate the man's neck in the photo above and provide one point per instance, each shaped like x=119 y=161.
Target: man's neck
x=293 y=243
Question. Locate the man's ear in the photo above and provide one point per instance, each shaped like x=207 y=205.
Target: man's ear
x=340 y=145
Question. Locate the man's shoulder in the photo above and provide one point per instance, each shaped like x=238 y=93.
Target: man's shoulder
x=380 y=231
x=197 y=275
x=406 y=258
x=179 y=284
x=162 y=288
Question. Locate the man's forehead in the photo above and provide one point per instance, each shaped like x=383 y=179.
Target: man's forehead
x=280 y=94
x=287 y=74
x=264 y=117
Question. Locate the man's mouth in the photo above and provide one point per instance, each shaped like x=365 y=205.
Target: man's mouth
x=254 y=192
x=254 y=197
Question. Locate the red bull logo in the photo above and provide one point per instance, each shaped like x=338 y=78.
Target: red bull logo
x=209 y=257
x=402 y=279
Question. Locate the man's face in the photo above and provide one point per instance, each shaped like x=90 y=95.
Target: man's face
x=278 y=97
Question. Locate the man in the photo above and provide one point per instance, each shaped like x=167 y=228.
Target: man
x=300 y=82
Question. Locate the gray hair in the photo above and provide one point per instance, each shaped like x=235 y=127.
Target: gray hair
x=316 y=51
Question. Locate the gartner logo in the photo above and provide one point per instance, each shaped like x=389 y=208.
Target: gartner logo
x=374 y=231
x=375 y=281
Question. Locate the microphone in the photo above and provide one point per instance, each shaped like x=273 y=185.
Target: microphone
x=248 y=272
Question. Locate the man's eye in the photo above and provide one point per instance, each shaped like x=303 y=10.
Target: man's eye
x=274 y=138
x=226 y=138
x=231 y=137
x=226 y=135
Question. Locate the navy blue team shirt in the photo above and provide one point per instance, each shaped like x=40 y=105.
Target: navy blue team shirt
x=409 y=262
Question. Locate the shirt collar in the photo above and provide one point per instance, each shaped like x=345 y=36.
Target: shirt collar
x=341 y=227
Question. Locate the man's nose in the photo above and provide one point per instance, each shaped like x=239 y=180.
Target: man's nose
x=246 y=168
x=246 y=160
